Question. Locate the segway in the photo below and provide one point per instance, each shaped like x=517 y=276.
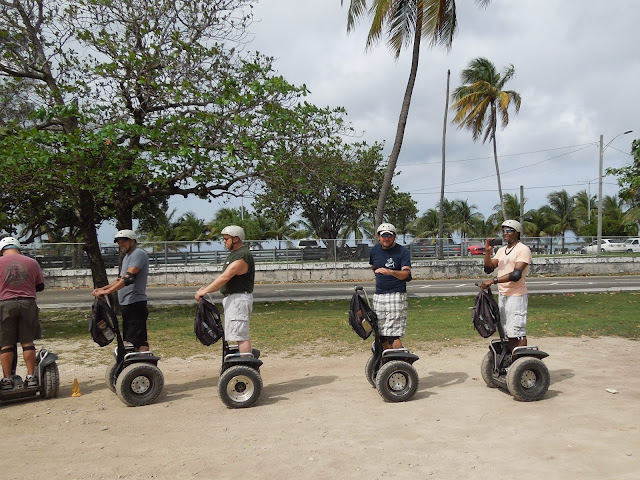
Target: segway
x=390 y=371
x=240 y=383
x=46 y=372
x=133 y=376
x=521 y=371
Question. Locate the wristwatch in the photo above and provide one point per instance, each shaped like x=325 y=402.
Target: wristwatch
x=495 y=280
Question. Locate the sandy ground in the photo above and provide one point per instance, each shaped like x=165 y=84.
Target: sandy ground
x=318 y=418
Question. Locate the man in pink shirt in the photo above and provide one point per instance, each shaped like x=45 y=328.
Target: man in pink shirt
x=512 y=261
x=20 y=278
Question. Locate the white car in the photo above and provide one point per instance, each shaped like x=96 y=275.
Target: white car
x=607 y=245
x=632 y=245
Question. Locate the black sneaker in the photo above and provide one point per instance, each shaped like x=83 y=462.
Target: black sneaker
x=31 y=381
x=6 y=384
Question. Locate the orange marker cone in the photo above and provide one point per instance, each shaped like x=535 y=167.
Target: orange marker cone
x=75 y=392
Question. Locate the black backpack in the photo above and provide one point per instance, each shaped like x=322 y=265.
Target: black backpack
x=102 y=322
x=207 y=324
x=361 y=317
x=485 y=314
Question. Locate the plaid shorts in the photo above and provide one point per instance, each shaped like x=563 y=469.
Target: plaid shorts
x=391 y=309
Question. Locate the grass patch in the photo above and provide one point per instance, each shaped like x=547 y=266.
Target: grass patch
x=290 y=326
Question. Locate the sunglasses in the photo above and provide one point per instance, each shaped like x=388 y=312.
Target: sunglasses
x=386 y=235
x=508 y=230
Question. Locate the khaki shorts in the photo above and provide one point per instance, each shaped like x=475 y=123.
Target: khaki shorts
x=237 y=309
x=513 y=314
x=19 y=321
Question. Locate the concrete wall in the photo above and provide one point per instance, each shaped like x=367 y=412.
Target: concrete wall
x=356 y=271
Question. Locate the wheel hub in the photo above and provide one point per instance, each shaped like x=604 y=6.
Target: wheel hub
x=397 y=382
x=140 y=384
x=240 y=388
x=528 y=379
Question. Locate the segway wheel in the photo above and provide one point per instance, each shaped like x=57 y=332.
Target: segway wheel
x=528 y=379
x=487 y=370
x=50 y=381
x=110 y=375
x=240 y=386
x=139 y=384
x=397 y=381
x=368 y=371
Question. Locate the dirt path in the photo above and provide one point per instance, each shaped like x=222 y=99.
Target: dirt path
x=318 y=418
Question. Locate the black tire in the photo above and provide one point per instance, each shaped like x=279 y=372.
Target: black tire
x=528 y=379
x=139 y=384
x=486 y=369
x=368 y=371
x=397 y=381
x=50 y=381
x=110 y=375
x=239 y=386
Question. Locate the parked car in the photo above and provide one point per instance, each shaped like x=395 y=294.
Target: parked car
x=607 y=245
x=475 y=248
x=632 y=245
x=308 y=243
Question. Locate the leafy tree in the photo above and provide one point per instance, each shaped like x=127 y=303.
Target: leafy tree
x=132 y=102
x=327 y=186
x=405 y=23
x=584 y=210
x=481 y=100
x=629 y=177
x=401 y=210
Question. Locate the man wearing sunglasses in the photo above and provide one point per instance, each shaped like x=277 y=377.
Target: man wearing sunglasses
x=512 y=261
x=392 y=265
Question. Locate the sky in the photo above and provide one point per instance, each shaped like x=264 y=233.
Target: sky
x=577 y=70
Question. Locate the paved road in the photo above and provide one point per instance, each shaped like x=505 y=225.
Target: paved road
x=73 y=298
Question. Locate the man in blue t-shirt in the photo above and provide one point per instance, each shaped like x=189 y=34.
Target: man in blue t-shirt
x=392 y=265
x=131 y=286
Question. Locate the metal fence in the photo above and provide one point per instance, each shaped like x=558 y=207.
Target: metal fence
x=72 y=256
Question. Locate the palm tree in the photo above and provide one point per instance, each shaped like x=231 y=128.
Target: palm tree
x=537 y=223
x=191 y=228
x=479 y=102
x=584 y=206
x=562 y=213
x=406 y=23
x=510 y=206
x=464 y=218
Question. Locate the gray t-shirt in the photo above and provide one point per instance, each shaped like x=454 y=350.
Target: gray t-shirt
x=135 y=292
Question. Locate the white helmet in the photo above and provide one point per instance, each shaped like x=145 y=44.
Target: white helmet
x=234 y=231
x=129 y=234
x=513 y=224
x=9 y=242
x=386 y=227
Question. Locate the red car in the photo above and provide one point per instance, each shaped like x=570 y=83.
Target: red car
x=475 y=248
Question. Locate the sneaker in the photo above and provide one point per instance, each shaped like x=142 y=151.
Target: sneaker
x=31 y=381
x=6 y=384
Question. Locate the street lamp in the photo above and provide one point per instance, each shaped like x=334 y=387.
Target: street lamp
x=602 y=149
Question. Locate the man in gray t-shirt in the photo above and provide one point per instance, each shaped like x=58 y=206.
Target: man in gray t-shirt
x=131 y=286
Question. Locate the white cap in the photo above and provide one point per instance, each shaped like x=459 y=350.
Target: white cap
x=9 y=242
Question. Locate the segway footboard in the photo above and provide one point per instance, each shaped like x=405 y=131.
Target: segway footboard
x=399 y=354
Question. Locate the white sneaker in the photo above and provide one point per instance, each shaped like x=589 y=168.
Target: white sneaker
x=31 y=381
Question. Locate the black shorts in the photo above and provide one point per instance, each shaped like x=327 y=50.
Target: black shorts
x=134 y=323
x=19 y=321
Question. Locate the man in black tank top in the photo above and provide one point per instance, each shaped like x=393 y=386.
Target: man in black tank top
x=236 y=285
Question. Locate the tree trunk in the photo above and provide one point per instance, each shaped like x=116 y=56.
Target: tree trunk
x=495 y=157
x=91 y=246
x=402 y=123
x=444 y=137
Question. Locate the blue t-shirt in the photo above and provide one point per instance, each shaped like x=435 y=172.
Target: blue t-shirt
x=394 y=259
x=137 y=291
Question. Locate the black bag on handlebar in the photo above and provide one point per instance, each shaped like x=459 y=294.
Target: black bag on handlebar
x=102 y=322
x=485 y=314
x=361 y=316
x=207 y=325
